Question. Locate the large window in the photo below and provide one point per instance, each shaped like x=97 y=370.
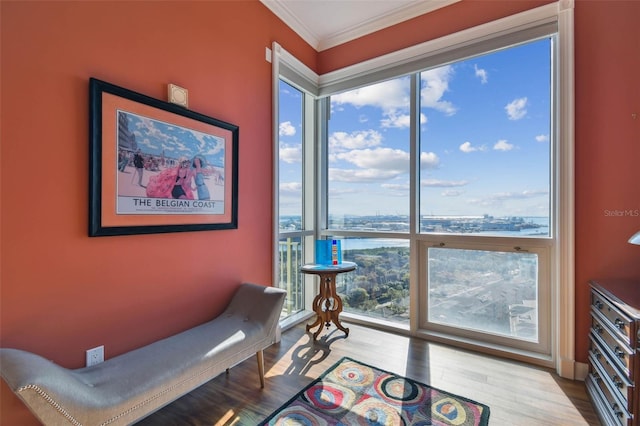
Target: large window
x=368 y=157
x=380 y=288
x=486 y=291
x=290 y=134
x=486 y=136
x=487 y=128
x=502 y=296
x=290 y=243
x=442 y=169
x=483 y=172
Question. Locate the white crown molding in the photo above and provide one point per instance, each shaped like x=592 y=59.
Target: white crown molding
x=383 y=21
x=291 y=20
x=366 y=26
x=520 y=20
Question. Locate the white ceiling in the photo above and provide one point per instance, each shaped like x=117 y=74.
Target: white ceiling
x=327 y=23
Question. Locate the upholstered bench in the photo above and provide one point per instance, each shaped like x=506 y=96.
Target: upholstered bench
x=130 y=386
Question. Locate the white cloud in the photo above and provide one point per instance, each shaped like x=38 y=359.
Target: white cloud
x=435 y=83
x=147 y=131
x=293 y=94
x=291 y=188
x=388 y=95
x=503 y=145
x=437 y=183
x=378 y=158
x=378 y=164
x=286 y=129
x=207 y=144
x=395 y=120
x=517 y=109
x=338 y=192
x=481 y=74
x=355 y=140
x=542 y=138
x=500 y=198
x=392 y=96
x=155 y=137
x=362 y=175
x=429 y=160
x=503 y=196
x=451 y=193
x=467 y=148
x=400 y=187
x=290 y=153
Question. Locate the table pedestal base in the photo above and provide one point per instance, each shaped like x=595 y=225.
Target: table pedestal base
x=327 y=305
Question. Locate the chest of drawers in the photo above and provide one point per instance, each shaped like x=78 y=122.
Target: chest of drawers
x=614 y=362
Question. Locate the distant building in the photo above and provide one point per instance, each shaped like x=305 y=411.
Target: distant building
x=126 y=138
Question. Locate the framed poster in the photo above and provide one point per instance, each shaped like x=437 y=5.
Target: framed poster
x=158 y=167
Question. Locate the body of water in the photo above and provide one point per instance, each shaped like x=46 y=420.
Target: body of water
x=369 y=243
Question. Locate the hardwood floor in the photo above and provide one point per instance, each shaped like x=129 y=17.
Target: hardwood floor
x=517 y=393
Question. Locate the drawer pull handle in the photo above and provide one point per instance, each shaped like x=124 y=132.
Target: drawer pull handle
x=616 y=410
x=619 y=352
x=619 y=323
x=596 y=353
x=617 y=382
x=598 y=304
x=597 y=328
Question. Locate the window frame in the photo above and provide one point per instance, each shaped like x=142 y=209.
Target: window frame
x=560 y=250
x=540 y=352
x=290 y=70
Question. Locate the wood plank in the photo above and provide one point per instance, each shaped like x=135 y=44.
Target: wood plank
x=517 y=393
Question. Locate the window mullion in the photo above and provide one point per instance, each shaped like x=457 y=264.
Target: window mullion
x=321 y=162
x=414 y=154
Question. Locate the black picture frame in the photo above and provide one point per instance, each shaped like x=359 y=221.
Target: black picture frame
x=157 y=167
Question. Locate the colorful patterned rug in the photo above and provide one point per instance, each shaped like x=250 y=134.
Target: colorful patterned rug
x=352 y=393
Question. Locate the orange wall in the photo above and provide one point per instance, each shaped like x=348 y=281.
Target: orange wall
x=607 y=149
x=63 y=292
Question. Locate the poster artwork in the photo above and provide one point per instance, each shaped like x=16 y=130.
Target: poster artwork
x=167 y=169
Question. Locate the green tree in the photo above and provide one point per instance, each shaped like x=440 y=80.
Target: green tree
x=357 y=297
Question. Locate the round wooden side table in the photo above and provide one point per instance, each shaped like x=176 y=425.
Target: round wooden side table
x=327 y=304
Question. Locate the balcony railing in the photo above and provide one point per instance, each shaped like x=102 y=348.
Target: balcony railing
x=290 y=260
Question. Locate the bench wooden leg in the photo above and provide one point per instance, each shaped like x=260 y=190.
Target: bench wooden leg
x=260 y=357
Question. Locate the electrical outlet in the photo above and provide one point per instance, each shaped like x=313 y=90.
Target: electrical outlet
x=95 y=356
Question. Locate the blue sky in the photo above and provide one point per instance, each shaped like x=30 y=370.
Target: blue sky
x=484 y=131
x=155 y=137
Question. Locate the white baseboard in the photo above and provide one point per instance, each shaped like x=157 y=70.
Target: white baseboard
x=582 y=370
